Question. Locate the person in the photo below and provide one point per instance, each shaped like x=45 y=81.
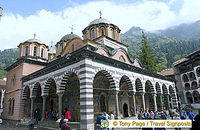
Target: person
x=182 y=114
x=31 y=124
x=106 y=115
x=98 y=122
x=112 y=117
x=156 y=115
x=163 y=115
x=191 y=115
x=151 y=116
x=61 y=121
x=146 y=115
x=196 y=122
x=65 y=126
x=67 y=114
x=131 y=111
x=36 y=115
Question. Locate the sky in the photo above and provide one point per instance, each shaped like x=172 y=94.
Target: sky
x=50 y=20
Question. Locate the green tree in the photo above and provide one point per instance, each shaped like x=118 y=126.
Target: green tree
x=146 y=56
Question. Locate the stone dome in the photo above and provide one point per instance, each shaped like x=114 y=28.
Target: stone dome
x=100 y=20
x=33 y=40
x=68 y=37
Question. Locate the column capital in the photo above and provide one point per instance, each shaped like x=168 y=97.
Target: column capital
x=60 y=94
x=44 y=96
x=33 y=98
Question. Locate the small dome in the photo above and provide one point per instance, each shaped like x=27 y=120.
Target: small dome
x=34 y=40
x=100 y=20
x=68 y=37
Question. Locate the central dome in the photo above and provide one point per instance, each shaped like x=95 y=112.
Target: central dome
x=100 y=20
x=68 y=37
x=33 y=40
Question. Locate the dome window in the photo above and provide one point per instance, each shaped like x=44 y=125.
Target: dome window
x=112 y=33
x=42 y=52
x=92 y=33
x=26 y=51
x=102 y=31
x=121 y=58
x=62 y=47
x=35 y=51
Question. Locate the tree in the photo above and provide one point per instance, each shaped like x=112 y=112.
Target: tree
x=146 y=56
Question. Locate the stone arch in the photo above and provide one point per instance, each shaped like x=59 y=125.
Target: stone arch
x=194 y=85
x=187 y=86
x=138 y=85
x=47 y=85
x=164 y=89
x=36 y=86
x=25 y=92
x=126 y=79
x=158 y=88
x=172 y=93
x=149 y=88
x=196 y=96
x=189 y=97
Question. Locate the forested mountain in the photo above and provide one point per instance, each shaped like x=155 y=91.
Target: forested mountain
x=167 y=49
x=189 y=31
x=7 y=57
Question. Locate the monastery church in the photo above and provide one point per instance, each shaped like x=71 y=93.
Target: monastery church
x=87 y=75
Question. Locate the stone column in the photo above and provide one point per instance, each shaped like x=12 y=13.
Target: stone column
x=117 y=104
x=134 y=105
x=60 y=95
x=161 y=101
x=155 y=103
x=143 y=101
x=44 y=97
x=168 y=101
x=32 y=106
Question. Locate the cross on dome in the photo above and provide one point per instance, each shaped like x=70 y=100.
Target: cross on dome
x=100 y=13
x=34 y=35
x=72 y=29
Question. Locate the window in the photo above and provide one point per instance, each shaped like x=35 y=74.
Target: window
x=11 y=106
x=35 y=51
x=42 y=52
x=92 y=34
x=112 y=33
x=121 y=58
x=185 y=78
x=62 y=47
x=72 y=47
x=13 y=80
x=26 y=51
x=102 y=31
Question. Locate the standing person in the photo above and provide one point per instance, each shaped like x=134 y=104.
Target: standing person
x=196 y=122
x=98 y=122
x=31 y=124
x=163 y=115
x=146 y=115
x=182 y=114
x=65 y=126
x=106 y=115
x=191 y=115
x=36 y=115
x=112 y=117
x=151 y=116
x=67 y=114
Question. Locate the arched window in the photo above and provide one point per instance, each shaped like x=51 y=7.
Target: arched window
x=102 y=31
x=192 y=76
x=196 y=96
x=13 y=80
x=72 y=47
x=112 y=35
x=12 y=106
x=92 y=34
x=185 y=78
x=121 y=58
x=26 y=51
x=42 y=52
x=198 y=71
x=194 y=85
x=189 y=97
x=62 y=47
x=9 y=106
x=35 y=51
x=187 y=86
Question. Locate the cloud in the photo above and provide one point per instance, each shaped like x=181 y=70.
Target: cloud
x=51 y=26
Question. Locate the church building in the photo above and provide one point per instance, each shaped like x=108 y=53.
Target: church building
x=87 y=75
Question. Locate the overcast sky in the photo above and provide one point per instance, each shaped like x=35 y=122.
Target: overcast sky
x=52 y=19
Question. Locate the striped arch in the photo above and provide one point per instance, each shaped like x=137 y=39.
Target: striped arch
x=164 y=89
x=172 y=93
x=25 y=93
x=128 y=81
x=149 y=87
x=64 y=81
x=34 y=90
x=158 y=88
x=47 y=86
x=109 y=77
x=138 y=85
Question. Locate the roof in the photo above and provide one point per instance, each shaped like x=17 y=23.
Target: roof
x=68 y=37
x=100 y=20
x=167 y=72
x=2 y=82
x=34 y=40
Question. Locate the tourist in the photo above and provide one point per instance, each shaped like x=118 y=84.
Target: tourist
x=139 y=115
x=191 y=115
x=67 y=114
x=112 y=117
x=151 y=115
x=31 y=124
x=146 y=115
x=65 y=126
x=106 y=115
x=36 y=115
x=163 y=115
x=98 y=122
x=156 y=115
x=182 y=114
x=131 y=111
x=196 y=122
